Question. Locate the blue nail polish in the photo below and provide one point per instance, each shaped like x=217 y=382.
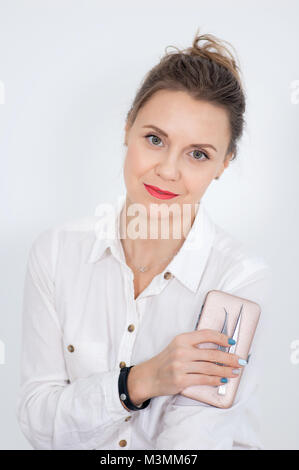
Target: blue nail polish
x=242 y=362
x=231 y=341
x=223 y=380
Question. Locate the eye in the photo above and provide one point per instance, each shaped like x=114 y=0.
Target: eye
x=196 y=150
x=203 y=153
x=153 y=135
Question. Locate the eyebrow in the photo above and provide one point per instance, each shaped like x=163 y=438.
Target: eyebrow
x=165 y=135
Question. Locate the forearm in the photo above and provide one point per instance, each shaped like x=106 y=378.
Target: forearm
x=52 y=415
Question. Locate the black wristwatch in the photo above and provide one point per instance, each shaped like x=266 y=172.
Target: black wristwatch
x=123 y=391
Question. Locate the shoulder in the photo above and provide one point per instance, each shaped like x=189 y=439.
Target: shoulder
x=237 y=263
x=72 y=230
x=72 y=238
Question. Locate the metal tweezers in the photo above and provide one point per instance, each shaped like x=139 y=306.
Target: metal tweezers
x=222 y=388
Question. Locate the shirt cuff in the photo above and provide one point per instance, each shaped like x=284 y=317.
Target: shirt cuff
x=114 y=406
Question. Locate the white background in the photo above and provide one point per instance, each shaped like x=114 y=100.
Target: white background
x=70 y=70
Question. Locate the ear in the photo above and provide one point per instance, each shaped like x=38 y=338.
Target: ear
x=225 y=163
x=228 y=159
x=126 y=133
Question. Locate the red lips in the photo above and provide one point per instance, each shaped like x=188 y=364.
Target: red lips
x=161 y=190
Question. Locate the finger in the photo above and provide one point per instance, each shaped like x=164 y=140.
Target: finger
x=202 y=379
x=209 y=368
x=208 y=336
x=214 y=355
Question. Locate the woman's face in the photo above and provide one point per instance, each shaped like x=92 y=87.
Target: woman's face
x=186 y=160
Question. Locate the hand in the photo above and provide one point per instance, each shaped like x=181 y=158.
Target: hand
x=181 y=364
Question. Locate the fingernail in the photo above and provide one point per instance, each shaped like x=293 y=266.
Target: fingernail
x=231 y=341
x=224 y=380
x=236 y=371
x=242 y=362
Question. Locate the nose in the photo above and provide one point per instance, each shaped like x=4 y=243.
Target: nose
x=168 y=168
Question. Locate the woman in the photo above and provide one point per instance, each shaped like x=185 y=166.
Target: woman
x=106 y=314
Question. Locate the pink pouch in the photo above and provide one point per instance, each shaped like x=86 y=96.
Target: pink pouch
x=236 y=317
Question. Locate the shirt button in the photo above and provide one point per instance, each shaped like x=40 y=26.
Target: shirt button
x=129 y=417
x=123 y=443
x=167 y=275
x=131 y=327
x=71 y=348
x=122 y=364
x=123 y=396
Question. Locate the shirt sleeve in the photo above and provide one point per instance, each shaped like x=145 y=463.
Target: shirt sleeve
x=190 y=424
x=53 y=413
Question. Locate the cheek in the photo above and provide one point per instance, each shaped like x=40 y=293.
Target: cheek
x=198 y=173
x=136 y=161
x=197 y=180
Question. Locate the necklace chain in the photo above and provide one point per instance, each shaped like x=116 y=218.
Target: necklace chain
x=143 y=269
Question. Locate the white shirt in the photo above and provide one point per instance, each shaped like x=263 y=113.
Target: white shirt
x=78 y=304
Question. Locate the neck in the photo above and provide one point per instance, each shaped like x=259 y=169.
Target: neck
x=147 y=248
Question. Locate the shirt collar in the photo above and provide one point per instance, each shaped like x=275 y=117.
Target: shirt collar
x=189 y=263
x=105 y=229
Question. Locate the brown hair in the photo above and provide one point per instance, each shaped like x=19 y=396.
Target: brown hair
x=204 y=74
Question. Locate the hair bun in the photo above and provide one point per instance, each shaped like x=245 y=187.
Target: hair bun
x=214 y=49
